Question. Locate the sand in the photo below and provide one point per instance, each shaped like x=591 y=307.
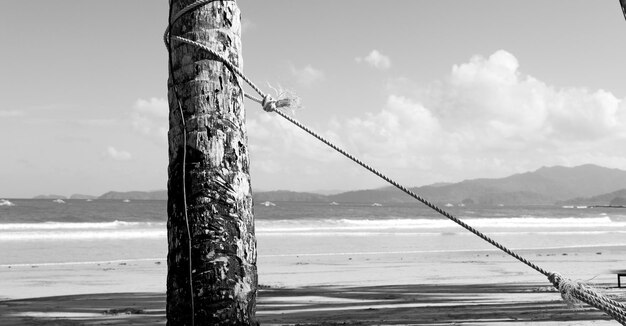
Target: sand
x=475 y=304
x=474 y=287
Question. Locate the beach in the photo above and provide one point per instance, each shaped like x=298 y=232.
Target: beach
x=372 y=271
x=327 y=163
x=470 y=288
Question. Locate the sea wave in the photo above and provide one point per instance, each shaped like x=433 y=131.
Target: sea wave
x=325 y=225
x=70 y=225
x=322 y=227
x=431 y=234
x=83 y=235
x=81 y=231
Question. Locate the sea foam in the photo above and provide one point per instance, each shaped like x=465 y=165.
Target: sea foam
x=81 y=231
x=320 y=227
x=69 y=225
x=355 y=225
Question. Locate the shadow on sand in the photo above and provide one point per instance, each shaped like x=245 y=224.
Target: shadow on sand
x=371 y=305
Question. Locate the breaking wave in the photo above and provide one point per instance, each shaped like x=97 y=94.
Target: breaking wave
x=320 y=227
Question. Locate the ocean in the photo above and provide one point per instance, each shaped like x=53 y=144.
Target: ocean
x=43 y=232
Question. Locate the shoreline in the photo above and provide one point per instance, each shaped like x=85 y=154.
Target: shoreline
x=327 y=254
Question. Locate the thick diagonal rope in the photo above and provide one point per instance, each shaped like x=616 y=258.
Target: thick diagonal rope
x=581 y=292
x=568 y=288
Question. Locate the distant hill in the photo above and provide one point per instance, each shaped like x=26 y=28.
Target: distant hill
x=280 y=195
x=585 y=180
x=81 y=196
x=440 y=184
x=612 y=198
x=284 y=195
x=136 y=195
x=381 y=195
x=544 y=186
x=50 y=197
x=618 y=201
x=587 y=184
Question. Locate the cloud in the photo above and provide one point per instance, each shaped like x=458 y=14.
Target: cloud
x=10 y=113
x=398 y=131
x=150 y=117
x=95 y=122
x=307 y=76
x=281 y=153
x=247 y=25
x=376 y=60
x=274 y=141
x=154 y=106
x=118 y=155
x=491 y=95
x=485 y=118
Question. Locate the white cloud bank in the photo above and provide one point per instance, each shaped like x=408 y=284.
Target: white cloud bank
x=11 y=113
x=376 y=60
x=247 y=25
x=485 y=119
x=307 y=76
x=150 y=117
x=118 y=155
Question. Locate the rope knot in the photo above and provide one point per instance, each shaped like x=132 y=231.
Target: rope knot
x=269 y=104
x=555 y=279
x=568 y=289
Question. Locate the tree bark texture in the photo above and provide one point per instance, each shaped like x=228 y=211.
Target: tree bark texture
x=217 y=181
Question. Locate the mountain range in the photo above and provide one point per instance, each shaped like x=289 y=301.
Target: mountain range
x=545 y=186
x=584 y=185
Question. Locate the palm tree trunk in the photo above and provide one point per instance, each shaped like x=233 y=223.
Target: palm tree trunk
x=212 y=278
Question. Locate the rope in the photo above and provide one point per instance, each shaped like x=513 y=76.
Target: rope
x=181 y=13
x=574 y=292
x=270 y=105
x=184 y=172
x=184 y=163
x=568 y=288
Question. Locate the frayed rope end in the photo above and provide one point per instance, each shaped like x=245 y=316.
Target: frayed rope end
x=286 y=99
x=567 y=288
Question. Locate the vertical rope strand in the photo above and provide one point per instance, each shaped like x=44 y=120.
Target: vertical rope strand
x=183 y=168
x=189 y=243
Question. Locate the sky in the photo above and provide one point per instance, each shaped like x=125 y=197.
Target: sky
x=425 y=91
